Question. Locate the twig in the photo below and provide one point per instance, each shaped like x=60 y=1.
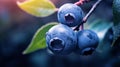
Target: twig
x=88 y=14
x=80 y=2
x=81 y=27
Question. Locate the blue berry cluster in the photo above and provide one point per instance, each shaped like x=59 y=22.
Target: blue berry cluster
x=61 y=39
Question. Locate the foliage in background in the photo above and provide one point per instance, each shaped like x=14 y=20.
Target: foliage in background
x=38 y=8
x=116 y=27
x=39 y=41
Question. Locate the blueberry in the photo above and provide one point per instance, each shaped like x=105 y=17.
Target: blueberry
x=61 y=39
x=70 y=14
x=87 y=42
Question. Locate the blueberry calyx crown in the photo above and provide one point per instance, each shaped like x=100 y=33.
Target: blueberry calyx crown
x=56 y=45
x=88 y=51
x=69 y=18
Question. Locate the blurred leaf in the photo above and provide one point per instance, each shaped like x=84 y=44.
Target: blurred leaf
x=38 y=41
x=39 y=8
x=116 y=17
x=116 y=41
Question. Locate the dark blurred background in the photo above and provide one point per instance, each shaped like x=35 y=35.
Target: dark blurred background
x=17 y=29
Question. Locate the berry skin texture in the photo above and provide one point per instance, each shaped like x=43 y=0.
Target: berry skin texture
x=61 y=39
x=70 y=15
x=87 y=42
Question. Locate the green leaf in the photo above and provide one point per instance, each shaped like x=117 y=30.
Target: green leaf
x=38 y=41
x=38 y=8
x=116 y=17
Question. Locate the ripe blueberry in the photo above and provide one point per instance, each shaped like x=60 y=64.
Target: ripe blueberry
x=87 y=41
x=70 y=14
x=61 y=39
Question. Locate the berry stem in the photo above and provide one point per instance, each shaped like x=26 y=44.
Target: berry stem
x=91 y=10
x=88 y=14
x=80 y=2
x=81 y=27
